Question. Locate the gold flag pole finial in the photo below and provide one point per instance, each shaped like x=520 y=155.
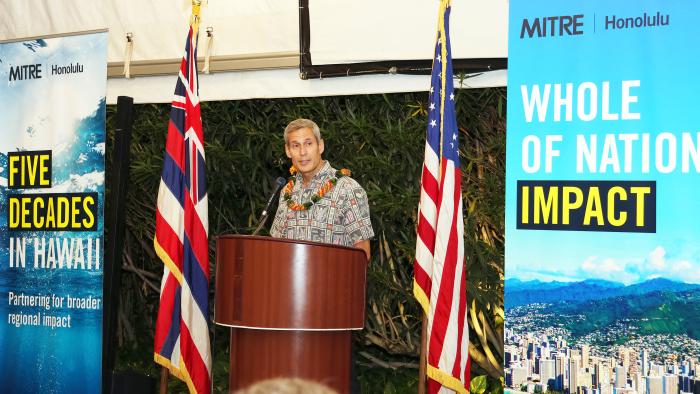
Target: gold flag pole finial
x=195 y=18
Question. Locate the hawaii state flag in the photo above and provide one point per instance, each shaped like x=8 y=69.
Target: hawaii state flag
x=182 y=330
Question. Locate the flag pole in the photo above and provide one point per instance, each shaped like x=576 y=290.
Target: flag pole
x=422 y=366
x=164 y=380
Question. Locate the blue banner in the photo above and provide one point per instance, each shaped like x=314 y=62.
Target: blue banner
x=52 y=147
x=602 y=217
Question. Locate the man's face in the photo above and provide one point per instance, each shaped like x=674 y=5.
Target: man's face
x=304 y=151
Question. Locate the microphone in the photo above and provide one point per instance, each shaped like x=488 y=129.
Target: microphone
x=279 y=182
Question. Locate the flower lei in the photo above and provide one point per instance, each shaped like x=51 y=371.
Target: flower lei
x=322 y=191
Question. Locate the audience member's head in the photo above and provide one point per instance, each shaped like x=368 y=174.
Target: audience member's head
x=287 y=386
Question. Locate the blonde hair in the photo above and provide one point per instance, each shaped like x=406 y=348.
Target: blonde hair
x=287 y=386
x=302 y=124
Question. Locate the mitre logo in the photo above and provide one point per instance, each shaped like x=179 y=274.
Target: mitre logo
x=552 y=26
x=26 y=71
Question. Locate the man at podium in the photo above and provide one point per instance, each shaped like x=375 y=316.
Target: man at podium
x=319 y=203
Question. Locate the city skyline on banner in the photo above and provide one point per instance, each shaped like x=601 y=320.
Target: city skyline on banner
x=626 y=119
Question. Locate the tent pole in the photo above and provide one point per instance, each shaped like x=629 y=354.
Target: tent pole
x=114 y=244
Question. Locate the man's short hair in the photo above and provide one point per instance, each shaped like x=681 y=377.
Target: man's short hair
x=302 y=124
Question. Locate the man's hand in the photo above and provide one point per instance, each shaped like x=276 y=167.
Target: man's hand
x=364 y=245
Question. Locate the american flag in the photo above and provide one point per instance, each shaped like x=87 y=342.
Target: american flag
x=182 y=331
x=439 y=277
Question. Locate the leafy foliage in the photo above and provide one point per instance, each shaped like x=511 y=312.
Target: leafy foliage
x=381 y=139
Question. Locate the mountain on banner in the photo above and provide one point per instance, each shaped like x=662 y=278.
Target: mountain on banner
x=655 y=312
x=517 y=284
x=528 y=292
x=669 y=316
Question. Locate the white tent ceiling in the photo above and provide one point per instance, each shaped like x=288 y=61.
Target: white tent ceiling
x=255 y=43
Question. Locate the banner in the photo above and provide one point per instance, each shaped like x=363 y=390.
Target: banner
x=602 y=211
x=52 y=146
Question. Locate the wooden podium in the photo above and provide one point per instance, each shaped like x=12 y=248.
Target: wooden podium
x=291 y=306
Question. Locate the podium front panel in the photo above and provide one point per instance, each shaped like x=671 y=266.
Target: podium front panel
x=271 y=283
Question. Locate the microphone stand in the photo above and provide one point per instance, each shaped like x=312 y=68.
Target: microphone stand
x=279 y=183
x=263 y=219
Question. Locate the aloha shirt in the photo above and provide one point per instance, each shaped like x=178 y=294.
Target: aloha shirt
x=341 y=217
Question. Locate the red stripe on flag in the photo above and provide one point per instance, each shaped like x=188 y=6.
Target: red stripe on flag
x=443 y=306
x=175 y=146
x=195 y=232
x=430 y=184
x=194 y=123
x=422 y=278
x=462 y=313
x=194 y=172
x=196 y=367
x=165 y=312
x=183 y=63
x=457 y=368
x=191 y=63
x=426 y=232
x=433 y=386
x=169 y=240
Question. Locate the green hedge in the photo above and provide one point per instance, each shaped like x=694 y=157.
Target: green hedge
x=381 y=139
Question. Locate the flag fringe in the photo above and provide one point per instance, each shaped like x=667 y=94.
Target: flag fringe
x=446 y=379
x=421 y=297
x=180 y=373
x=165 y=258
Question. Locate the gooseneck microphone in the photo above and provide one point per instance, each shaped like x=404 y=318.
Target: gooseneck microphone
x=279 y=182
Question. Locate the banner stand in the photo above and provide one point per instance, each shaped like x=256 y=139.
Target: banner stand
x=114 y=246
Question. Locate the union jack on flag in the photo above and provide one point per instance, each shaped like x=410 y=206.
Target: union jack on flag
x=182 y=331
x=439 y=277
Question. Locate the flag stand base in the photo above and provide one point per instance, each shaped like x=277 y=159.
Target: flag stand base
x=130 y=382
